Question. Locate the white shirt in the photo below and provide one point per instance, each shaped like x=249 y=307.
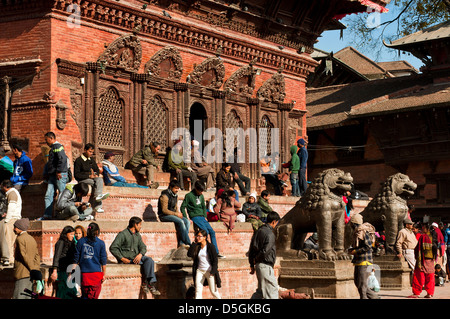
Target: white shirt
x=203 y=260
x=14 y=209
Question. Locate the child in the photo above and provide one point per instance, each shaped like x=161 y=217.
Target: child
x=194 y=205
x=263 y=202
x=439 y=275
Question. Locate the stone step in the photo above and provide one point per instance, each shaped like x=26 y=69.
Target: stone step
x=124 y=281
x=125 y=202
x=159 y=237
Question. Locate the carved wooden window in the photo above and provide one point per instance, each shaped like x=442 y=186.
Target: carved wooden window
x=110 y=129
x=234 y=121
x=265 y=136
x=156 y=128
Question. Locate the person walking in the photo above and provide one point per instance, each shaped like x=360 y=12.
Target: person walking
x=425 y=252
x=262 y=257
x=205 y=265
x=90 y=256
x=128 y=247
x=26 y=259
x=361 y=249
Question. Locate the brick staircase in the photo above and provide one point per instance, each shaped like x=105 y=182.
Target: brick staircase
x=123 y=281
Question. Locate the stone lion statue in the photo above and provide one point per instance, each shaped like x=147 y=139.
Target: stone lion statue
x=388 y=209
x=321 y=209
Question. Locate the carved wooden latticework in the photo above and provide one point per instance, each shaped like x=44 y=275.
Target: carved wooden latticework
x=166 y=63
x=265 y=137
x=110 y=128
x=209 y=73
x=156 y=122
x=233 y=121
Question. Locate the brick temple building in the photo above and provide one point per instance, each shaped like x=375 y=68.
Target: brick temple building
x=374 y=123
x=121 y=74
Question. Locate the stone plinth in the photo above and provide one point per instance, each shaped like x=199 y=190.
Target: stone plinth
x=329 y=279
x=395 y=272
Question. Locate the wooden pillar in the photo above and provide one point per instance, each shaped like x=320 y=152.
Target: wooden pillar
x=6 y=81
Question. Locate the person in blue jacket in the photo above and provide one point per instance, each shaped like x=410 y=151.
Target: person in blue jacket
x=90 y=255
x=23 y=168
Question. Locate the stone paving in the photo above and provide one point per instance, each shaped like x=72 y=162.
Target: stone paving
x=439 y=293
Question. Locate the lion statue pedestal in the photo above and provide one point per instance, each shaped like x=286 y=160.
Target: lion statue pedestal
x=395 y=273
x=329 y=279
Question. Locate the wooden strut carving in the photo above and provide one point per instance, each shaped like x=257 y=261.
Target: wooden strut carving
x=209 y=73
x=124 y=53
x=172 y=70
x=242 y=81
x=273 y=89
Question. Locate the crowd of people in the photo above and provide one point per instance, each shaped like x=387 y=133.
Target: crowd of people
x=77 y=246
x=424 y=246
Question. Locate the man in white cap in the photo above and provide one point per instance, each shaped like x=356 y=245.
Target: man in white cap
x=363 y=238
x=406 y=242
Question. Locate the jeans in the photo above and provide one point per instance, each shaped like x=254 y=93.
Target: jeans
x=202 y=223
x=125 y=184
x=148 y=266
x=267 y=282
x=53 y=185
x=303 y=184
x=295 y=185
x=182 y=226
x=97 y=189
x=70 y=211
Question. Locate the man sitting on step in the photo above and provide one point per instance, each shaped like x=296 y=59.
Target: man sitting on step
x=128 y=247
x=70 y=203
x=86 y=171
x=143 y=163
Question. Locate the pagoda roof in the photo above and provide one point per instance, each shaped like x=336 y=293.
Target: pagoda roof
x=436 y=32
x=338 y=105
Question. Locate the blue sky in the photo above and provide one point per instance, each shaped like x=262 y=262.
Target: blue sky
x=330 y=41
